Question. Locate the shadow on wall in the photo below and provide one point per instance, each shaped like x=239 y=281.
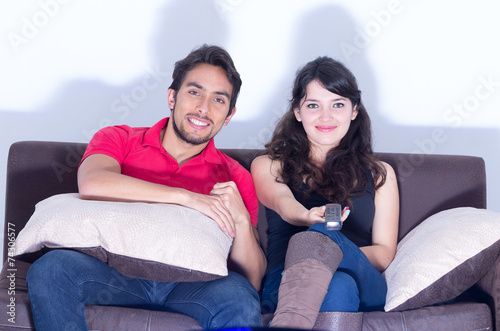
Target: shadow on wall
x=318 y=32
x=330 y=30
x=82 y=107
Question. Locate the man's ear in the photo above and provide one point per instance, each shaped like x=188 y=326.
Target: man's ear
x=228 y=117
x=171 y=98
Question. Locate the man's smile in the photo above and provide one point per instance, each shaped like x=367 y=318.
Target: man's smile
x=198 y=122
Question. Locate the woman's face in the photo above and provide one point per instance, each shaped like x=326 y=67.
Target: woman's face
x=326 y=117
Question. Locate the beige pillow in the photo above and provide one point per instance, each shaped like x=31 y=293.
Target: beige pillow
x=442 y=257
x=159 y=242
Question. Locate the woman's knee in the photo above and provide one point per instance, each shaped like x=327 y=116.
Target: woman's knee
x=335 y=236
x=343 y=294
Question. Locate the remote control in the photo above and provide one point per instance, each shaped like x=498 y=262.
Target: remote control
x=333 y=219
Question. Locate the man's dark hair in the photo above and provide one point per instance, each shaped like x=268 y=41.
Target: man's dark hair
x=213 y=55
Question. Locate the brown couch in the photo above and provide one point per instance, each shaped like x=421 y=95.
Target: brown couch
x=427 y=183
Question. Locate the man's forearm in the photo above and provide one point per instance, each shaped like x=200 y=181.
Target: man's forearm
x=118 y=187
x=247 y=257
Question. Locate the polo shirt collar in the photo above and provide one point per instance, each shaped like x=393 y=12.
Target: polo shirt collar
x=153 y=138
x=210 y=153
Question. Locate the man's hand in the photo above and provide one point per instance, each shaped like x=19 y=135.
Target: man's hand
x=229 y=195
x=214 y=207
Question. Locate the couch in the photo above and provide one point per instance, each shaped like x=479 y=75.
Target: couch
x=428 y=184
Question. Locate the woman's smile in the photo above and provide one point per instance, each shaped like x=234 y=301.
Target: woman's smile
x=325 y=128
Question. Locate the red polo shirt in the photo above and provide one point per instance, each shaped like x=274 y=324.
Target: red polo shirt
x=141 y=155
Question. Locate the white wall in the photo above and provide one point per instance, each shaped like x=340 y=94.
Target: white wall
x=429 y=70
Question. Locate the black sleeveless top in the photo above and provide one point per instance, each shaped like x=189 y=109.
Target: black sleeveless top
x=357 y=227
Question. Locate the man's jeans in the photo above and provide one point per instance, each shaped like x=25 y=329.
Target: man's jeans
x=62 y=282
x=356 y=285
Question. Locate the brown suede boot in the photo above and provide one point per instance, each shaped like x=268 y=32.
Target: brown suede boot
x=311 y=260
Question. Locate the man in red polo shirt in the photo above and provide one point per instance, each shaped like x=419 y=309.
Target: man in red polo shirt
x=175 y=161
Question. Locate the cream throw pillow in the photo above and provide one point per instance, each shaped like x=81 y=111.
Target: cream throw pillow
x=442 y=257
x=159 y=242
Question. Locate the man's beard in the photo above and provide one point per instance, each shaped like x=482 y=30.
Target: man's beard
x=184 y=136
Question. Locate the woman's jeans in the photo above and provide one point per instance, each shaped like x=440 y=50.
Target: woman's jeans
x=62 y=282
x=356 y=285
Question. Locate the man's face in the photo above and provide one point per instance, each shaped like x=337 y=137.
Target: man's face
x=200 y=107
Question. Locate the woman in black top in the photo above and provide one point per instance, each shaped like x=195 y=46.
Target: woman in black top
x=321 y=153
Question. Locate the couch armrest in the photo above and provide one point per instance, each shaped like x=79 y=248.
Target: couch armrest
x=490 y=283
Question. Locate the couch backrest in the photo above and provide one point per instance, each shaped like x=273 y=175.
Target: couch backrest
x=428 y=184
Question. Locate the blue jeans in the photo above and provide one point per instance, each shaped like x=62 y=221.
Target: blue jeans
x=62 y=282
x=356 y=285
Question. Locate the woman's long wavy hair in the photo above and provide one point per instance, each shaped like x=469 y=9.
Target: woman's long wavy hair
x=343 y=175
